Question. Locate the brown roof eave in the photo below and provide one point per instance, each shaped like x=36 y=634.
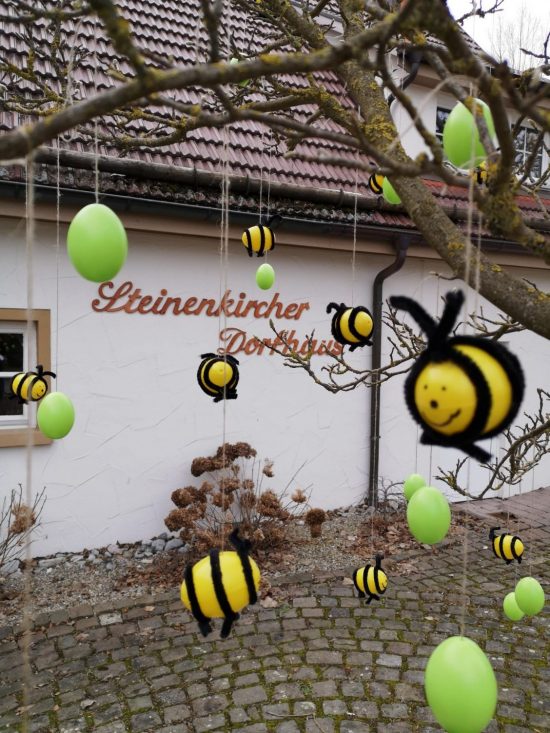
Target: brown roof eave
x=201 y=179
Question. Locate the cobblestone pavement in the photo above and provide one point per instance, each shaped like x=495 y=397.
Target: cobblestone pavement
x=323 y=662
x=528 y=514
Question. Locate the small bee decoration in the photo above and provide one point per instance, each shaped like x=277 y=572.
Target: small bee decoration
x=460 y=389
x=220 y=585
x=351 y=326
x=371 y=581
x=258 y=240
x=30 y=386
x=506 y=546
x=480 y=174
x=375 y=183
x=218 y=376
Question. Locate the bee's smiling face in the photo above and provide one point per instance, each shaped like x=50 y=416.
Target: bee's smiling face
x=445 y=397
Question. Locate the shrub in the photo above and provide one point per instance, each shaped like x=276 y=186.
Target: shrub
x=16 y=522
x=234 y=492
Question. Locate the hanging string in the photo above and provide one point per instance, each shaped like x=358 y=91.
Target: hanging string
x=96 y=142
x=467 y=273
x=262 y=146
x=354 y=239
x=224 y=266
x=437 y=308
x=465 y=564
x=26 y=641
x=271 y=145
x=57 y=256
x=531 y=519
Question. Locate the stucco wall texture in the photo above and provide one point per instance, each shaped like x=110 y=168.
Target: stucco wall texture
x=141 y=417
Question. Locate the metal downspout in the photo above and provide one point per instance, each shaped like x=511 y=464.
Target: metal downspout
x=401 y=245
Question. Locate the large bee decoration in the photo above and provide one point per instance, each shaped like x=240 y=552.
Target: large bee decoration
x=30 y=386
x=375 y=183
x=371 y=581
x=261 y=238
x=220 y=585
x=218 y=376
x=506 y=546
x=460 y=389
x=351 y=326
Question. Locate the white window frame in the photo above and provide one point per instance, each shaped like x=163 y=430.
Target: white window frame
x=526 y=153
x=14 y=429
x=10 y=421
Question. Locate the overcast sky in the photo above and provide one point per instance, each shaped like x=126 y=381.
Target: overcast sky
x=480 y=28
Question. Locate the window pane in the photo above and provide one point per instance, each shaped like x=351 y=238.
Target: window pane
x=440 y=119
x=11 y=352
x=520 y=140
x=8 y=406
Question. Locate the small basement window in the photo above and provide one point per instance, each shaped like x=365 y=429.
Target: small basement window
x=21 y=349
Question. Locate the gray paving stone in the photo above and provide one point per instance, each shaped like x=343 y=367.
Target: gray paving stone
x=360 y=669
x=210 y=722
x=145 y=722
x=249 y=695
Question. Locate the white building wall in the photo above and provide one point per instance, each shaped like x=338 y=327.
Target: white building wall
x=141 y=417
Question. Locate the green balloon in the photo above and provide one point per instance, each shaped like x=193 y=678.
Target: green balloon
x=265 y=276
x=244 y=82
x=97 y=243
x=412 y=484
x=389 y=192
x=428 y=515
x=55 y=415
x=461 y=686
x=511 y=608
x=461 y=141
x=529 y=596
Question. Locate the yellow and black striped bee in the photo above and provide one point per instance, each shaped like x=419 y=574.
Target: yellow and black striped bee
x=218 y=376
x=371 y=581
x=258 y=240
x=460 y=389
x=351 y=326
x=220 y=585
x=30 y=386
x=375 y=183
x=480 y=174
x=506 y=546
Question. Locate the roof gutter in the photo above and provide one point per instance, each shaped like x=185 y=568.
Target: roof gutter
x=160 y=172
x=401 y=245
x=124 y=202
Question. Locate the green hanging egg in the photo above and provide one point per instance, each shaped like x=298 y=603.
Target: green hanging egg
x=412 y=484
x=529 y=595
x=461 y=687
x=265 y=276
x=461 y=142
x=55 y=415
x=428 y=515
x=511 y=608
x=244 y=82
x=97 y=243
x=389 y=192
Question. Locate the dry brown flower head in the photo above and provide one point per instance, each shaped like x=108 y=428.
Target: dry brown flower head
x=299 y=497
x=23 y=519
x=315 y=516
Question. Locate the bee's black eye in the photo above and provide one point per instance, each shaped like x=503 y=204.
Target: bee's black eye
x=443 y=388
x=425 y=386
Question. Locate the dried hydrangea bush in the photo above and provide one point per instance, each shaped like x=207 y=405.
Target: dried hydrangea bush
x=234 y=491
x=17 y=520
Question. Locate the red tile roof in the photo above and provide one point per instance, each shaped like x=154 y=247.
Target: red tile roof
x=170 y=28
